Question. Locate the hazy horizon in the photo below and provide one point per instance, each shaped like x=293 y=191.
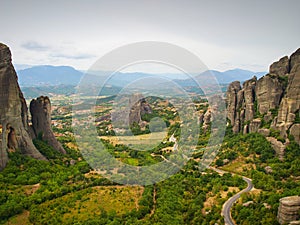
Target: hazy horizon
x=224 y=35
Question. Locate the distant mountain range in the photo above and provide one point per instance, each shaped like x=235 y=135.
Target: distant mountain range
x=47 y=75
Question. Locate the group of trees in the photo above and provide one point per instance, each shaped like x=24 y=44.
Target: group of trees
x=273 y=184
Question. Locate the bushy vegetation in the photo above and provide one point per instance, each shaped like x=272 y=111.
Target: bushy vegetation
x=64 y=190
x=272 y=186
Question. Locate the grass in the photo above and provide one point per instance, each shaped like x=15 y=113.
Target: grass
x=239 y=166
x=141 y=141
x=85 y=204
x=21 y=219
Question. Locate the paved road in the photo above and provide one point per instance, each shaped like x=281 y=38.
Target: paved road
x=229 y=203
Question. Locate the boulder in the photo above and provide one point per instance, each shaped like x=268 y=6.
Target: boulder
x=268 y=169
x=288 y=210
x=278 y=146
x=265 y=132
x=247 y=204
x=295 y=132
x=254 y=125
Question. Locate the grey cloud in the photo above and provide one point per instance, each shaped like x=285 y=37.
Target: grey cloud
x=72 y=56
x=35 y=46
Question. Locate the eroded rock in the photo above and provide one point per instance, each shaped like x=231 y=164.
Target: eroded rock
x=288 y=210
x=281 y=67
x=40 y=110
x=13 y=112
x=16 y=134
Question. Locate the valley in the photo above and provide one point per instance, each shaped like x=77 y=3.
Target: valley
x=58 y=184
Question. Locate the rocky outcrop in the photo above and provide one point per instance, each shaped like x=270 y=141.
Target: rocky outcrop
x=254 y=125
x=234 y=101
x=139 y=108
x=249 y=98
x=40 y=110
x=288 y=210
x=269 y=92
x=15 y=129
x=281 y=67
x=278 y=146
x=13 y=112
x=295 y=132
x=290 y=103
x=128 y=110
x=207 y=117
x=273 y=99
x=263 y=131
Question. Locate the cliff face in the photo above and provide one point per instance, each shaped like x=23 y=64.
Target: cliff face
x=273 y=101
x=13 y=112
x=15 y=131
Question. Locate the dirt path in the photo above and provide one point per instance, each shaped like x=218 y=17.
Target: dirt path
x=154 y=201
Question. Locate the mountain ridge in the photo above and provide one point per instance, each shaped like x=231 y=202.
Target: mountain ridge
x=44 y=75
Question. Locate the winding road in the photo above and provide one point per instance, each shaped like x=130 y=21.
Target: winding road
x=229 y=203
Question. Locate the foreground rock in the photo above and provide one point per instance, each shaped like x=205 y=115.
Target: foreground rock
x=14 y=126
x=13 y=112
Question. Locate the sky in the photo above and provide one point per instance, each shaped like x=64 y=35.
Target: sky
x=224 y=34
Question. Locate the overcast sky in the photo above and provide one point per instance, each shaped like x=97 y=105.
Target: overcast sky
x=223 y=34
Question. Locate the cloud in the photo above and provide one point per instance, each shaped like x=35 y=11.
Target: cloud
x=73 y=56
x=35 y=46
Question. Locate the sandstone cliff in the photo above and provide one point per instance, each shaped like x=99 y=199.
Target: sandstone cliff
x=272 y=102
x=14 y=127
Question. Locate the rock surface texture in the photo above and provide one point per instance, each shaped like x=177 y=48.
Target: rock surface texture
x=288 y=210
x=40 y=110
x=14 y=126
x=138 y=109
x=273 y=101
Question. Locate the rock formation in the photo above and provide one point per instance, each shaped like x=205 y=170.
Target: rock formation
x=40 y=110
x=234 y=98
x=273 y=99
x=15 y=129
x=288 y=210
x=128 y=110
x=269 y=91
x=139 y=108
x=13 y=112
